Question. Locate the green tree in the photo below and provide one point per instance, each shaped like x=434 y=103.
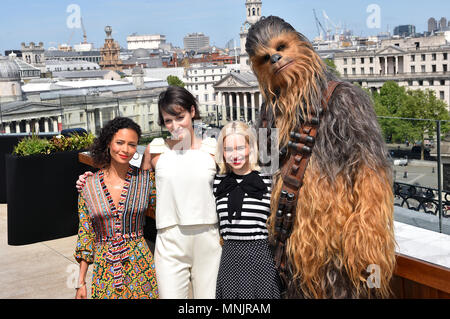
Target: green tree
x=424 y=105
x=332 y=66
x=173 y=80
x=387 y=102
x=395 y=101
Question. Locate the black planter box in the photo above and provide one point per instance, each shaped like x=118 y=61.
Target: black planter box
x=41 y=196
x=7 y=144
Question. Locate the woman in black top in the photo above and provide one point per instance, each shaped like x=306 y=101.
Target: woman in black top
x=243 y=205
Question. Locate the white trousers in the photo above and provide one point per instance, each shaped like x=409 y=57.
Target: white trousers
x=187 y=256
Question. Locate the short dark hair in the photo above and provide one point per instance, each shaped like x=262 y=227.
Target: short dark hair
x=176 y=96
x=100 y=150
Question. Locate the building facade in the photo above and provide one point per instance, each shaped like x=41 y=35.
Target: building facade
x=253 y=11
x=200 y=80
x=34 y=54
x=195 y=41
x=110 y=53
x=413 y=66
x=146 y=41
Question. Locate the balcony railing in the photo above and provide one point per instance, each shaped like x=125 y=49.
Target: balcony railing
x=422 y=199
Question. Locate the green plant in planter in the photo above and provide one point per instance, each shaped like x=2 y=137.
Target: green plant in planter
x=32 y=145
x=35 y=145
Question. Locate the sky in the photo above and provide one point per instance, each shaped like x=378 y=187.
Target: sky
x=52 y=21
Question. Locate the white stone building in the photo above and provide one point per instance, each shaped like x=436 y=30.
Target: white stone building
x=49 y=106
x=415 y=63
x=145 y=41
x=200 y=80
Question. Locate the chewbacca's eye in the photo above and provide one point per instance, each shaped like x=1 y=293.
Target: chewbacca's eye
x=266 y=58
x=281 y=47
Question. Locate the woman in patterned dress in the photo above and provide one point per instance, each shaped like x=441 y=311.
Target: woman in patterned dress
x=111 y=209
x=247 y=269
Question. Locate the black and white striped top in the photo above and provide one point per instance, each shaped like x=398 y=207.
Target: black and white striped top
x=252 y=223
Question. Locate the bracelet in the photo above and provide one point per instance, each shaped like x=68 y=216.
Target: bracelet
x=80 y=286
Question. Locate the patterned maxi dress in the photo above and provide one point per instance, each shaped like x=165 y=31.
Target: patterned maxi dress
x=112 y=239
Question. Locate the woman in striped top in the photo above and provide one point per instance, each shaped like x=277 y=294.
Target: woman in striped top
x=243 y=205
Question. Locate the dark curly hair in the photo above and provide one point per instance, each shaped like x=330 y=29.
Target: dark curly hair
x=176 y=96
x=100 y=148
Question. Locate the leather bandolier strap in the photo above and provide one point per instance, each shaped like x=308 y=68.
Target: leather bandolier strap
x=292 y=172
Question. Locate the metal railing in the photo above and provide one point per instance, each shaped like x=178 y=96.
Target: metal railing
x=432 y=197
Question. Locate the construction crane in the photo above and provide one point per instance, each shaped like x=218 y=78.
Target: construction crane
x=318 y=24
x=328 y=20
x=84 y=31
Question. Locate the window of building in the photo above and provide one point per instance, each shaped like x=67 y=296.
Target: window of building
x=353 y=71
x=444 y=67
x=421 y=82
x=410 y=83
x=345 y=60
x=422 y=69
x=371 y=60
x=442 y=82
x=413 y=69
x=362 y=70
x=206 y=99
x=423 y=57
x=206 y=86
x=430 y=82
x=445 y=56
x=196 y=87
x=345 y=71
x=371 y=70
x=362 y=60
x=413 y=58
x=433 y=68
x=353 y=60
x=433 y=57
x=442 y=95
x=196 y=79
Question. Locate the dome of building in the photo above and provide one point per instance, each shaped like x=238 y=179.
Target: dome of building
x=141 y=53
x=9 y=70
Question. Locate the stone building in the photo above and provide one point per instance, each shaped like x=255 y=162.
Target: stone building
x=253 y=11
x=415 y=63
x=34 y=54
x=10 y=81
x=54 y=105
x=200 y=80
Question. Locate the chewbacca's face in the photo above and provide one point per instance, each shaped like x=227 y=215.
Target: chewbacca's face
x=283 y=61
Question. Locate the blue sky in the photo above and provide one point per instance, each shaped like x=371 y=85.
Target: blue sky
x=46 y=20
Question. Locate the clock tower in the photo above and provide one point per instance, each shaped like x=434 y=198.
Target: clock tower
x=253 y=14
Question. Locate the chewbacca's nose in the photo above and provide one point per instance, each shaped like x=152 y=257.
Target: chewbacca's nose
x=275 y=58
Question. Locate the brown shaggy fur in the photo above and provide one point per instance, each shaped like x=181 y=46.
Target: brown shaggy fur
x=344 y=217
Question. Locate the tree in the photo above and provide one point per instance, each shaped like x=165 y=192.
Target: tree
x=331 y=66
x=395 y=101
x=424 y=105
x=173 y=80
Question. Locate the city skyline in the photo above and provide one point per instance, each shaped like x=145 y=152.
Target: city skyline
x=47 y=21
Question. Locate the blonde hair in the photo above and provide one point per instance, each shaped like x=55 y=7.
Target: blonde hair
x=237 y=127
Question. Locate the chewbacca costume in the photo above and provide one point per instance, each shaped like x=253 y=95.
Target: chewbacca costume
x=343 y=221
